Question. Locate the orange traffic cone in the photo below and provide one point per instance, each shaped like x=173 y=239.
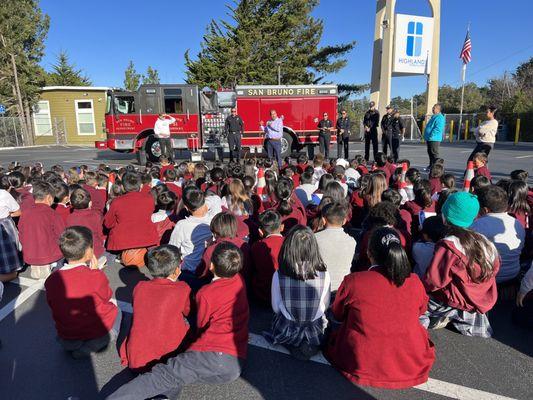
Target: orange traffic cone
x=110 y=182
x=469 y=175
x=261 y=183
x=403 y=183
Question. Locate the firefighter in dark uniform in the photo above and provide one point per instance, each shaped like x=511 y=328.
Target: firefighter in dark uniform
x=324 y=135
x=398 y=130
x=343 y=134
x=234 y=128
x=371 y=123
x=386 y=130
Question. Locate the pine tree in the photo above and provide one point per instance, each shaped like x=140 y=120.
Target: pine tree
x=151 y=77
x=23 y=28
x=65 y=74
x=263 y=33
x=132 y=79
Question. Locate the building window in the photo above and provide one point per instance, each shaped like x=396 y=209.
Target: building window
x=85 y=117
x=414 y=38
x=41 y=119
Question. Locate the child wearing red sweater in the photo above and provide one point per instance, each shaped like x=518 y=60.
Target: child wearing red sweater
x=39 y=230
x=265 y=254
x=98 y=197
x=62 y=199
x=380 y=341
x=84 y=215
x=221 y=345
x=461 y=278
x=129 y=217
x=480 y=166
x=79 y=296
x=154 y=335
x=224 y=229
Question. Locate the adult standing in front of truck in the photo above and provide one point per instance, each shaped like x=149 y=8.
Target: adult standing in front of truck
x=162 y=133
x=273 y=134
x=324 y=135
x=234 y=128
x=343 y=135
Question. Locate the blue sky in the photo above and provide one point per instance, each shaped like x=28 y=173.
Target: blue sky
x=102 y=36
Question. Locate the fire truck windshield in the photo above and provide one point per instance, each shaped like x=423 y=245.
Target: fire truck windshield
x=124 y=104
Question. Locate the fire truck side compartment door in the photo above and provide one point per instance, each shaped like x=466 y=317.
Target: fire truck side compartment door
x=150 y=103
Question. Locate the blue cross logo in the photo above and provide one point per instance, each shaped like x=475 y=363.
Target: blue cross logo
x=414 y=38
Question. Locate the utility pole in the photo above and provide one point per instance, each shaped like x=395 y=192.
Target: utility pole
x=279 y=72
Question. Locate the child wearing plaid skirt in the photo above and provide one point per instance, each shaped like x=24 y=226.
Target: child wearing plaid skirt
x=300 y=295
x=10 y=261
x=461 y=278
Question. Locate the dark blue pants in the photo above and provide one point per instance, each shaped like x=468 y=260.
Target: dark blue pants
x=273 y=148
x=184 y=369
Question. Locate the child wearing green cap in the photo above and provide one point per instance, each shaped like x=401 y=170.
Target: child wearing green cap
x=461 y=277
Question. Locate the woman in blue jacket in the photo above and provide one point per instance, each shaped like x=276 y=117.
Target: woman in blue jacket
x=433 y=133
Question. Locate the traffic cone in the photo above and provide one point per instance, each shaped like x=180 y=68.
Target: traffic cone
x=261 y=183
x=110 y=182
x=403 y=183
x=469 y=175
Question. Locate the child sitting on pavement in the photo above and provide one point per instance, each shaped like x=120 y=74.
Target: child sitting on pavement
x=79 y=295
x=216 y=356
x=153 y=335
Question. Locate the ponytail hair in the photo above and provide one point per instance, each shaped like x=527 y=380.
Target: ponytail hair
x=385 y=248
x=283 y=193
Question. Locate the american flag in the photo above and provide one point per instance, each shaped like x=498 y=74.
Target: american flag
x=466 y=54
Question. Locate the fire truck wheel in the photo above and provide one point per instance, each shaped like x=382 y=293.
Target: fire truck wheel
x=286 y=145
x=152 y=148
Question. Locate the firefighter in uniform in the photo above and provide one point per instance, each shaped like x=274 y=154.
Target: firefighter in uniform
x=398 y=131
x=386 y=130
x=234 y=128
x=343 y=135
x=371 y=122
x=324 y=135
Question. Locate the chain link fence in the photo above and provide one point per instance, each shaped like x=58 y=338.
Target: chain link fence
x=11 y=132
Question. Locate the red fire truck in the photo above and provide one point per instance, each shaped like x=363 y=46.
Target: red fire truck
x=200 y=116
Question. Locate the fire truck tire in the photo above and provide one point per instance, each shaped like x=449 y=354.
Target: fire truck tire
x=286 y=145
x=152 y=148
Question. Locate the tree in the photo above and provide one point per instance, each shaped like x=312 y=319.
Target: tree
x=65 y=74
x=23 y=28
x=262 y=34
x=151 y=77
x=132 y=79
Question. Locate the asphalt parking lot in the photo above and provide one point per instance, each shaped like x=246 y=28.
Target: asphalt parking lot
x=33 y=365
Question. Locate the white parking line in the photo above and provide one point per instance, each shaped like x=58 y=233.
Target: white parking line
x=21 y=298
x=435 y=386
x=531 y=155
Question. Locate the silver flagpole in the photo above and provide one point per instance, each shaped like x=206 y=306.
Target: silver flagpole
x=463 y=76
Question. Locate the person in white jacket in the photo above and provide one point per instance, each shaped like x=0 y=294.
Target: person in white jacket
x=162 y=133
x=486 y=134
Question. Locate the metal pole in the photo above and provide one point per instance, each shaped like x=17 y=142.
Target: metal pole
x=279 y=72
x=462 y=96
x=412 y=119
x=16 y=134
